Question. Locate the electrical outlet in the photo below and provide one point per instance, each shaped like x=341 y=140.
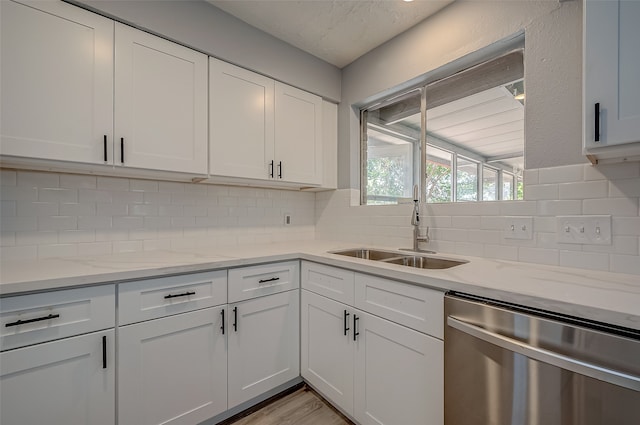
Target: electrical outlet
x=584 y=229
x=518 y=227
x=287 y=219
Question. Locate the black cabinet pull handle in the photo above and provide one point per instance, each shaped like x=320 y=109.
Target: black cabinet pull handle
x=235 y=319
x=104 y=352
x=222 y=327
x=597 y=122
x=186 y=294
x=105 y=148
x=280 y=169
x=122 y=150
x=37 y=319
x=355 y=327
x=268 y=280
x=346 y=321
x=271 y=169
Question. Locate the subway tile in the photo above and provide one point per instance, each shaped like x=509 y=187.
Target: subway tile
x=143 y=185
x=143 y=210
x=195 y=211
x=538 y=255
x=454 y=235
x=112 y=183
x=94 y=248
x=94 y=223
x=142 y=234
x=7 y=238
x=485 y=236
x=19 y=224
x=36 y=179
x=215 y=191
x=554 y=208
x=127 y=223
x=584 y=260
x=500 y=252
x=86 y=209
x=36 y=238
x=469 y=248
x=545 y=224
x=619 y=245
x=612 y=171
x=18 y=193
x=183 y=222
x=626 y=207
x=128 y=197
x=107 y=235
x=14 y=253
x=37 y=209
x=584 y=190
x=170 y=187
x=531 y=177
x=628 y=226
x=517 y=208
x=62 y=222
x=157 y=198
x=183 y=199
x=76 y=236
x=625 y=264
x=627 y=188
x=549 y=240
x=91 y=195
x=127 y=246
x=492 y=222
x=8 y=178
x=110 y=210
x=57 y=250
x=171 y=210
x=151 y=222
x=156 y=245
x=196 y=189
x=206 y=221
x=77 y=181
x=541 y=191
x=564 y=174
x=466 y=222
x=8 y=208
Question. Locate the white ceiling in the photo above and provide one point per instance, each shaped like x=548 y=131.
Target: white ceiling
x=336 y=31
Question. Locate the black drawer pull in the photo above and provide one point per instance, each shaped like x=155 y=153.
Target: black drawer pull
x=222 y=327
x=597 y=122
x=104 y=352
x=235 y=319
x=346 y=322
x=355 y=327
x=105 y=148
x=186 y=294
x=37 y=319
x=271 y=169
x=268 y=280
x=280 y=169
x=122 y=150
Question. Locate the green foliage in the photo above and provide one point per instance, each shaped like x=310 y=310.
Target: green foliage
x=438 y=183
x=385 y=178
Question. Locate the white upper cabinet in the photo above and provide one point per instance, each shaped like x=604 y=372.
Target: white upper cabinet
x=57 y=82
x=160 y=104
x=298 y=124
x=611 y=86
x=261 y=129
x=241 y=120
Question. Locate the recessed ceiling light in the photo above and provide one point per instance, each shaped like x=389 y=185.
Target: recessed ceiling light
x=407 y=1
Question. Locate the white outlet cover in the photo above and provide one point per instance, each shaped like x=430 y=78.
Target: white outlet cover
x=584 y=229
x=518 y=227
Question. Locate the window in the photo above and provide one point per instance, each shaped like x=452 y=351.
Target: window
x=471 y=125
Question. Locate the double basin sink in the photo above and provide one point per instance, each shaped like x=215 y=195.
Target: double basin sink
x=415 y=260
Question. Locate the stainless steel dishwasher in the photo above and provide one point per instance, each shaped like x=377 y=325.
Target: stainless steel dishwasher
x=512 y=365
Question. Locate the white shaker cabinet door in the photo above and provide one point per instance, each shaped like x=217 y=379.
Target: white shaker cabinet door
x=241 y=122
x=70 y=381
x=399 y=376
x=264 y=345
x=611 y=72
x=172 y=370
x=298 y=135
x=326 y=348
x=160 y=103
x=57 y=82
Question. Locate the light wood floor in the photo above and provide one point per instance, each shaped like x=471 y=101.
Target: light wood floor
x=302 y=407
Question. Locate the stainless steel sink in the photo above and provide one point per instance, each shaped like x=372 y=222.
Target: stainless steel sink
x=400 y=258
x=424 y=262
x=368 y=254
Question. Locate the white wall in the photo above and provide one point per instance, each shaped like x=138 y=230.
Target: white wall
x=200 y=25
x=553 y=72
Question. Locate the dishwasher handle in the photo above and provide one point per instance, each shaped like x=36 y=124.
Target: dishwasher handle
x=555 y=359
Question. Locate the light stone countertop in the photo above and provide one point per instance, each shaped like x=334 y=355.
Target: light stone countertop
x=602 y=296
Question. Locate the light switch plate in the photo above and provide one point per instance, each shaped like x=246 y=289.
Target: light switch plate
x=518 y=227
x=584 y=229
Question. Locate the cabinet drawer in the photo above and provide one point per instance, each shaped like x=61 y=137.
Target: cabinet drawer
x=414 y=306
x=35 y=318
x=257 y=281
x=331 y=282
x=165 y=296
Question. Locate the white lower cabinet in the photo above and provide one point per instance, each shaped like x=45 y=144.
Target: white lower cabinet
x=70 y=381
x=173 y=370
x=263 y=345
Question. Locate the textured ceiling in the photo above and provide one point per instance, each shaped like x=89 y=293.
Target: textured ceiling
x=337 y=31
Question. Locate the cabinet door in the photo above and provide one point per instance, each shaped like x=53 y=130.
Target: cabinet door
x=241 y=122
x=298 y=132
x=160 y=103
x=65 y=382
x=172 y=370
x=264 y=345
x=57 y=82
x=399 y=377
x=327 y=348
x=611 y=67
